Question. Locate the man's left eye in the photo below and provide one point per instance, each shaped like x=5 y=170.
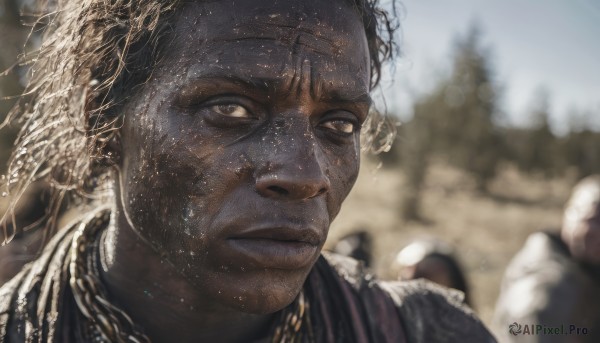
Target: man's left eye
x=339 y=126
x=231 y=110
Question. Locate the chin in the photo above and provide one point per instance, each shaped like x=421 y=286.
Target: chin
x=266 y=292
x=270 y=303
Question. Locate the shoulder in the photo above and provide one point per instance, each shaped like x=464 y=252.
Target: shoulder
x=541 y=249
x=540 y=284
x=31 y=300
x=9 y=307
x=433 y=313
x=428 y=312
x=542 y=270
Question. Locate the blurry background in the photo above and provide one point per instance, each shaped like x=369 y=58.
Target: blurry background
x=500 y=109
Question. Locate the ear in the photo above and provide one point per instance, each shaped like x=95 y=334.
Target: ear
x=101 y=130
x=110 y=148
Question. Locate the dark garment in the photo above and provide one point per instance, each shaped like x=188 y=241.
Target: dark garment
x=346 y=305
x=544 y=286
x=428 y=313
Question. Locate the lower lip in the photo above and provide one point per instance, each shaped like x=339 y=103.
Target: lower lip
x=269 y=253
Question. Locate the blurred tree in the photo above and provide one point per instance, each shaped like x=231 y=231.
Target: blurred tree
x=540 y=152
x=465 y=129
x=581 y=149
x=457 y=121
x=416 y=138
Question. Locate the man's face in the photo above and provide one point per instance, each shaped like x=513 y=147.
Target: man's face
x=238 y=152
x=581 y=225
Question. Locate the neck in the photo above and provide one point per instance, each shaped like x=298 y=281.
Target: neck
x=151 y=291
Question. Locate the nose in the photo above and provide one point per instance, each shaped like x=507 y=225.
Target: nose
x=291 y=188
x=297 y=176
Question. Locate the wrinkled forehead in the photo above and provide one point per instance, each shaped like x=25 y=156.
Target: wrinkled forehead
x=329 y=33
x=328 y=26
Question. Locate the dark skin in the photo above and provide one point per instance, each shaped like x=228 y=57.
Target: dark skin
x=236 y=157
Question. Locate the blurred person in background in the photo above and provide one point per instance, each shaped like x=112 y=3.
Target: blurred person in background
x=358 y=245
x=554 y=280
x=433 y=260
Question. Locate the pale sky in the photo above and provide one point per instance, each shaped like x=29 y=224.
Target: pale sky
x=550 y=43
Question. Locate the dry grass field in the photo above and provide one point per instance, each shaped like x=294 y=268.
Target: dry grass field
x=486 y=230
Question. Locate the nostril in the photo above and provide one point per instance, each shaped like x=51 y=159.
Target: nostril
x=278 y=190
x=321 y=191
x=296 y=189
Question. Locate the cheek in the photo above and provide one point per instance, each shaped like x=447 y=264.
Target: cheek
x=346 y=167
x=342 y=173
x=165 y=194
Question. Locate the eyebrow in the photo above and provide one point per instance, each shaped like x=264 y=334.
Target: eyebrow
x=205 y=83
x=271 y=86
x=337 y=96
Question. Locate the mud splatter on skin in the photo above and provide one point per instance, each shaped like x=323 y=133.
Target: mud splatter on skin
x=241 y=129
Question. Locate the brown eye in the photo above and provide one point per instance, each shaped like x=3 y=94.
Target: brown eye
x=231 y=110
x=339 y=126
